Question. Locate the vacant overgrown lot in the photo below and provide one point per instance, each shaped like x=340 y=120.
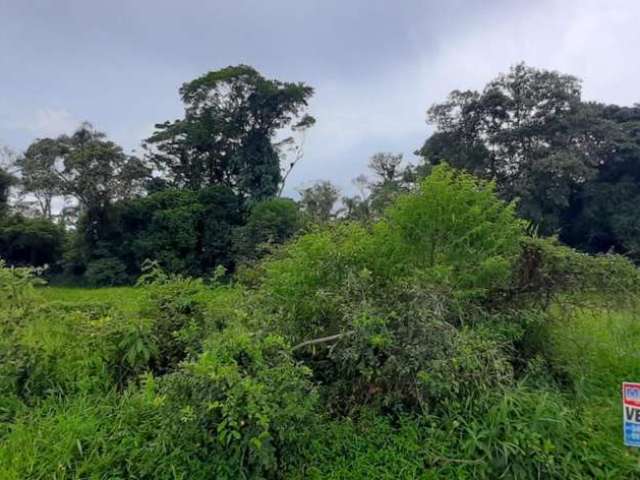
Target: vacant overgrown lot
x=441 y=342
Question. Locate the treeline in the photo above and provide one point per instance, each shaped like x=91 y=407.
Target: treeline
x=207 y=191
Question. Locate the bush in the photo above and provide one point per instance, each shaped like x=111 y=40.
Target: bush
x=183 y=311
x=235 y=412
x=386 y=304
x=455 y=230
x=305 y=284
x=243 y=406
x=17 y=286
x=270 y=223
x=187 y=232
x=106 y=272
x=176 y=310
x=31 y=241
x=453 y=236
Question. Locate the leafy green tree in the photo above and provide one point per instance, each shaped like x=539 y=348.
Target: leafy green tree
x=226 y=135
x=106 y=272
x=31 y=241
x=603 y=214
x=573 y=166
x=270 y=222
x=95 y=170
x=92 y=170
x=38 y=175
x=386 y=299
x=86 y=167
x=319 y=201
x=529 y=131
x=356 y=208
x=390 y=179
x=185 y=231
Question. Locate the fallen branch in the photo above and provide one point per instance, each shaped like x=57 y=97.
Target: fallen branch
x=330 y=338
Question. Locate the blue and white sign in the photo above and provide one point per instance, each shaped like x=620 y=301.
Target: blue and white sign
x=631 y=413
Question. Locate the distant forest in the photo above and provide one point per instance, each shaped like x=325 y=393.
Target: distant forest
x=206 y=195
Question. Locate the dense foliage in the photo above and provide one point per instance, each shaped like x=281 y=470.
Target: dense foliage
x=179 y=204
x=226 y=135
x=185 y=231
x=206 y=190
x=31 y=241
x=423 y=345
x=573 y=165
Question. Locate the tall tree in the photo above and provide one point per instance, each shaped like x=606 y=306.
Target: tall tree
x=528 y=130
x=390 y=179
x=84 y=165
x=96 y=171
x=227 y=134
x=604 y=214
x=38 y=173
x=319 y=201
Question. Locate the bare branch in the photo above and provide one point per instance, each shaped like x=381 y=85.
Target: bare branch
x=330 y=338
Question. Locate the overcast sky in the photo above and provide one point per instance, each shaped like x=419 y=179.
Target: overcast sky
x=376 y=65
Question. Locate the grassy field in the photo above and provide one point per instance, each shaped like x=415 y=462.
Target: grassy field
x=127 y=299
x=598 y=349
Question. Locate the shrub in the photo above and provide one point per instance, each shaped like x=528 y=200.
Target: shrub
x=455 y=230
x=17 y=287
x=548 y=271
x=106 y=272
x=305 y=284
x=183 y=311
x=385 y=304
x=453 y=236
x=31 y=241
x=242 y=405
x=270 y=223
x=175 y=309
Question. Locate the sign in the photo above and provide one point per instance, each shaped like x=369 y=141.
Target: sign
x=631 y=413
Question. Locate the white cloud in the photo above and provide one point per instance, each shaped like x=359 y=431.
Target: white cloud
x=593 y=40
x=48 y=122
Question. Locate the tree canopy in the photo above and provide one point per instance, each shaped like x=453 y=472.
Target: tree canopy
x=205 y=192
x=227 y=134
x=560 y=157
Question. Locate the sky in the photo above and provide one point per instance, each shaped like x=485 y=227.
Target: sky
x=376 y=65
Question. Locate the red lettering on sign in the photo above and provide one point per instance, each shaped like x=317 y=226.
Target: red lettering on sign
x=631 y=394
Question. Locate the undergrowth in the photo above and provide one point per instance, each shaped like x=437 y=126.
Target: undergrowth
x=441 y=342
